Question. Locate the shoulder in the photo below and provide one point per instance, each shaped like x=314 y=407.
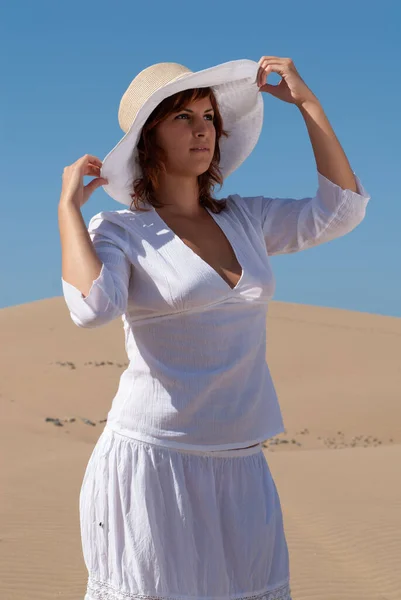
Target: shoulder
x=112 y=226
x=107 y=218
x=250 y=206
x=121 y=222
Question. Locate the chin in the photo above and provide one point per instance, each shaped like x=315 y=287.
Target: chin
x=194 y=170
x=201 y=169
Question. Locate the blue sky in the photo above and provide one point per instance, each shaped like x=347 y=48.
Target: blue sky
x=66 y=65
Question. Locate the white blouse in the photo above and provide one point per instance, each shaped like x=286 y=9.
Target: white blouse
x=197 y=375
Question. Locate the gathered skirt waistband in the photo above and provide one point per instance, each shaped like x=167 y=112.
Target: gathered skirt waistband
x=234 y=452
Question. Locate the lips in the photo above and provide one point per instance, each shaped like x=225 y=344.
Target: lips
x=200 y=149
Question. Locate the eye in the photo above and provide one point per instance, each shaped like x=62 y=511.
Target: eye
x=210 y=117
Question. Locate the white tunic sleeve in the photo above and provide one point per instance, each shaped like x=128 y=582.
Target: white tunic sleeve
x=107 y=297
x=290 y=225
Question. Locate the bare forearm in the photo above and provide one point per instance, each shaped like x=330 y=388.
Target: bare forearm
x=80 y=263
x=331 y=160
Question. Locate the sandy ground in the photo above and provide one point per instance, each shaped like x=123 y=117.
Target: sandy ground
x=337 y=466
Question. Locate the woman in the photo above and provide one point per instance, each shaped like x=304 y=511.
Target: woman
x=177 y=500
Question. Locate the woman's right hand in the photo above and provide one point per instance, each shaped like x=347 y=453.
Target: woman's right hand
x=73 y=191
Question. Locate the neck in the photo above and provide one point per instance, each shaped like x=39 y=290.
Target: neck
x=179 y=195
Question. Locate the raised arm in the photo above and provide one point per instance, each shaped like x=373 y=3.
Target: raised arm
x=290 y=225
x=95 y=266
x=80 y=265
x=331 y=160
x=339 y=205
x=103 y=294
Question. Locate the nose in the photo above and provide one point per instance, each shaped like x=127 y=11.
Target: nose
x=200 y=127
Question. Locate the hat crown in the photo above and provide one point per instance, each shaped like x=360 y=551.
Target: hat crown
x=144 y=85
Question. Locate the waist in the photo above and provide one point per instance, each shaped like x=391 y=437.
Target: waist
x=185 y=448
x=216 y=414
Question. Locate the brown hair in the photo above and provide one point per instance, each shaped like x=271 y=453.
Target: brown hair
x=150 y=156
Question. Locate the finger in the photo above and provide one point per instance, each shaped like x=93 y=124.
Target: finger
x=94 y=184
x=262 y=73
x=266 y=63
x=274 y=59
x=265 y=71
x=271 y=60
x=271 y=89
x=94 y=160
x=271 y=68
x=92 y=170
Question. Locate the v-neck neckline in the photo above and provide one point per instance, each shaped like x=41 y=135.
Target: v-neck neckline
x=219 y=222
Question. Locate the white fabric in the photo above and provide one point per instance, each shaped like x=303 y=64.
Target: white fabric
x=169 y=507
x=163 y=523
x=197 y=375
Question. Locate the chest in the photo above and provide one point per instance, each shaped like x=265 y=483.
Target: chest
x=208 y=241
x=179 y=266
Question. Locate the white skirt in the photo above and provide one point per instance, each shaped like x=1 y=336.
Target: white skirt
x=168 y=524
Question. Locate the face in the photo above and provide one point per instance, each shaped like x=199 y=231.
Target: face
x=182 y=133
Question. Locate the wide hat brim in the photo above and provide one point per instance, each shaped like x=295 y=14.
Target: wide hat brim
x=241 y=106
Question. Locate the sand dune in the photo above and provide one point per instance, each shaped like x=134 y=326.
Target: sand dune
x=337 y=466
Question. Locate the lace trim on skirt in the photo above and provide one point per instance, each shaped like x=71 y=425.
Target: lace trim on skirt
x=99 y=590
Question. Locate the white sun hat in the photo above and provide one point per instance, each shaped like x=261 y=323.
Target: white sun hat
x=240 y=104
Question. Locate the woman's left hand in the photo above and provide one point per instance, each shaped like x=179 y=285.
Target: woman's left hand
x=291 y=88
